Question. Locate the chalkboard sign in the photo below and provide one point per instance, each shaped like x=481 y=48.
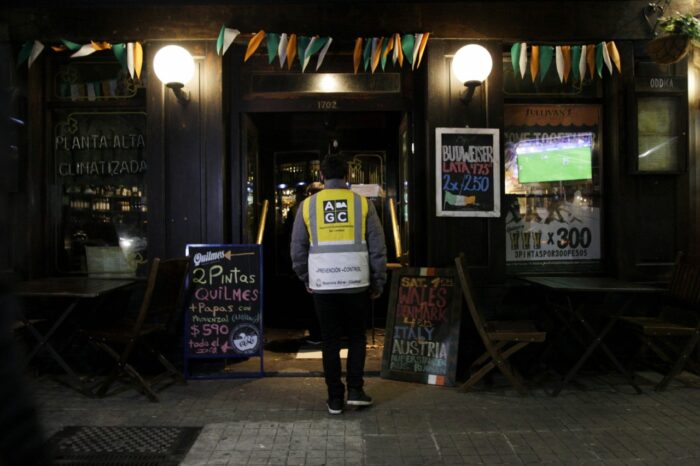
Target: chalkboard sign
x=422 y=326
x=224 y=314
x=468 y=174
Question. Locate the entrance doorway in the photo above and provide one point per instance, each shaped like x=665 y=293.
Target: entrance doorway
x=282 y=153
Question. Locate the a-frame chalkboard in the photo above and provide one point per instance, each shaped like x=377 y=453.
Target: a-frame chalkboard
x=224 y=311
x=422 y=326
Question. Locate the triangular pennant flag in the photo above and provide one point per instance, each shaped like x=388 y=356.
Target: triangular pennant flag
x=590 y=60
x=357 y=54
x=559 y=59
x=599 y=59
x=367 y=53
x=416 y=48
x=614 y=56
x=101 y=46
x=566 y=54
x=383 y=52
x=130 y=58
x=534 y=61
x=84 y=51
x=389 y=46
x=24 y=52
x=583 y=61
x=407 y=42
x=302 y=43
x=322 y=53
x=119 y=51
x=398 y=51
x=606 y=57
x=229 y=35
x=515 y=57
x=72 y=46
x=423 y=44
x=253 y=44
x=220 y=40
x=376 y=51
x=291 y=50
x=138 y=59
x=59 y=48
x=523 y=60
x=273 y=42
x=575 y=58
x=315 y=44
x=282 y=49
x=37 y=48
x=546 y=53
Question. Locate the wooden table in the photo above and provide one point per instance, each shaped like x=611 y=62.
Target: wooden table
x=567 y=287
x=76 y=290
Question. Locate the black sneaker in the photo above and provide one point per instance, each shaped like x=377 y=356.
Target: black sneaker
x=335 y=406
x=357 y=397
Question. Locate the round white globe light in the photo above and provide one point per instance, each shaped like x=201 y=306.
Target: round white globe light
x=472 y=63
x=173 y=65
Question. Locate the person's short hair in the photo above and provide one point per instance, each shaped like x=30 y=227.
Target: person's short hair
x=313 y=188
x=334 y=167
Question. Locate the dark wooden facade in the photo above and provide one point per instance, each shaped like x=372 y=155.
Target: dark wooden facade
x=196 y=163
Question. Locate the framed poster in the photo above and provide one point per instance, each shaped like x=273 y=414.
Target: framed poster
x=422 y=326
x=467 y=172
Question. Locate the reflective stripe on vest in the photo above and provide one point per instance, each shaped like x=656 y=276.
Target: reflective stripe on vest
x=336 y=222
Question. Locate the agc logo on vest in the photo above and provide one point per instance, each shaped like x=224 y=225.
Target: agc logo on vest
x=335 y=211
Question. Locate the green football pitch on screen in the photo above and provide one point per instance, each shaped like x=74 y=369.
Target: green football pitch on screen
x=555 y=165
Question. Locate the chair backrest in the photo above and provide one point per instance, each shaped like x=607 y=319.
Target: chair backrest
x=467 y=292
x=164 y=291
x=684 y=287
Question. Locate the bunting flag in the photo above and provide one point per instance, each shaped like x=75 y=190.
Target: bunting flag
x=515 y=57
x=253 y=44
x=421 y=49
x=37 y=48
x=273 y=43
x=407 y=43
x=119 y=51
x=572 y=62
x=302 y=43
x=523 y=60
x=225 y=39
x=357 y=54
x=398 y=50
x=282 y=49
x=315 y=45
x=534 y=61
x=376 y=51
x=385 y=51
x=367 y=53
x=24 y=52
x=546 y=55
x=323 y=52
x=416 y=47
x=291 y=50
x=138 y=59
x=130 y=58
x=614 y=56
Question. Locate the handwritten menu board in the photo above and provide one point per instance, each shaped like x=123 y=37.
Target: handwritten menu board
x=467 y=172
x=422 y=327
x=224 y=311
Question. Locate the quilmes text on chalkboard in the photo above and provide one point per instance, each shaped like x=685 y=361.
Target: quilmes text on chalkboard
x=224 y=310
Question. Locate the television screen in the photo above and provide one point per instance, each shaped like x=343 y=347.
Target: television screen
x=556 y=160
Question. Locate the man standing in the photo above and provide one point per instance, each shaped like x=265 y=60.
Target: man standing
x=338 y=251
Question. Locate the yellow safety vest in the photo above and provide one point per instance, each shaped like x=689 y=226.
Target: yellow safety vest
x=336 y=221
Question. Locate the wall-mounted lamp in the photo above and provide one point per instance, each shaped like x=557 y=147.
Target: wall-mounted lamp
x=471 y=65
x=174 y=66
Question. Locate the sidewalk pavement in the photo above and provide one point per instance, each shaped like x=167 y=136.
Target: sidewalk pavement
x=284 y=421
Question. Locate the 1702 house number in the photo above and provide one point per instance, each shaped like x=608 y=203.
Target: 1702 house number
x=327 y=104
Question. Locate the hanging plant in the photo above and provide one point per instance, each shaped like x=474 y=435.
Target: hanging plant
x=681 y=30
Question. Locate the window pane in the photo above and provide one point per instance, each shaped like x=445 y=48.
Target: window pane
x=657 y=126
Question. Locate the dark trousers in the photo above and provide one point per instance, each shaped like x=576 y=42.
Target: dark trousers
x=339 y=314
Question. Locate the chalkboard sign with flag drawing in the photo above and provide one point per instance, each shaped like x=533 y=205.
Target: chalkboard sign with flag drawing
x=422 y=326
x=467 y=172
x=224 y=313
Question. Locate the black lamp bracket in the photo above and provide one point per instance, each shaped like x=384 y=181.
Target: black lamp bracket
x=468 y=93
x=182 y=95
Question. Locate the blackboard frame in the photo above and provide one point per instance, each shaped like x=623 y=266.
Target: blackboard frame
x=494 y=185
x=454 y=308
x=256 y=249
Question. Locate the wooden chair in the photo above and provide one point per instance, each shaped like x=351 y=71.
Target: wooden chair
x=674 y=333
x=501 y=339
x=161 y=302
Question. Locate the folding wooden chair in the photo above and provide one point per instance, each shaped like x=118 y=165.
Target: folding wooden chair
x=674 y=333
x=161 y=302
x=501 y=339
